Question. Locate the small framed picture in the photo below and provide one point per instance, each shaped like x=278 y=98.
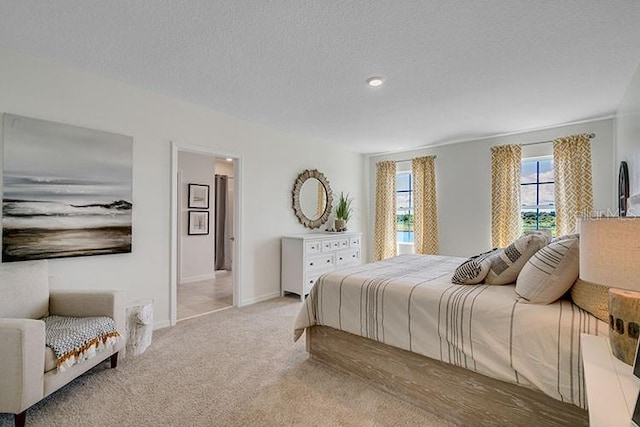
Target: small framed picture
x=198 y=196
x=198 y=223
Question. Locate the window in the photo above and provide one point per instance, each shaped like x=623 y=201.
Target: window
x=404 y=207
x=538 y=209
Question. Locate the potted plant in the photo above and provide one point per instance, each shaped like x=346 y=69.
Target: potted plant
x=343 y=212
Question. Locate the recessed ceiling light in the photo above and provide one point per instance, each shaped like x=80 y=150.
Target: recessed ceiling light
x=229 y=160
x=375 y=81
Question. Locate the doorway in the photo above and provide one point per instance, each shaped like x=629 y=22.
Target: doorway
x=205 y=231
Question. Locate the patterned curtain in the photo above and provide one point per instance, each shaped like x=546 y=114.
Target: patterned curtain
x=385 y=221
x=573 y=185
x=505 y=194
x=425 y=219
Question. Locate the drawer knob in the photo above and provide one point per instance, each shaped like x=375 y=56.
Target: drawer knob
x=353 y=256
x=310 y=263
x=328 y=260
x=340 y=258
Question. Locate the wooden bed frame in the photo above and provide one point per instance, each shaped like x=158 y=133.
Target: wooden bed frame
x=455 y=394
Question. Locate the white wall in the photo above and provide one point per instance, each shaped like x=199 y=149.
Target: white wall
x=196 y=251
x=628 y=136
x=272 y=159
x=463 y=182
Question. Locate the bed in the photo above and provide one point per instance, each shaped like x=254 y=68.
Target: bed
x=472 y=354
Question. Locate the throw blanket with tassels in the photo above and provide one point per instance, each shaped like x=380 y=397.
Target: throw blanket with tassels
x=74 y=339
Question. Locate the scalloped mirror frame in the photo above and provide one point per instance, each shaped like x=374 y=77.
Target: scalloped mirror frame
x=304 y=176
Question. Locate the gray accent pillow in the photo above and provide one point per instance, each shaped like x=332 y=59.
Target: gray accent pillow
x=474 y=270
x=550 y=272
x=506 y=266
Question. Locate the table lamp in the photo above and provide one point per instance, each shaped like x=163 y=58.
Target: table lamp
x=610 y=256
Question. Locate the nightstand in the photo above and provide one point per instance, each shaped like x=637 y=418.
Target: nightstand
x=611 y=388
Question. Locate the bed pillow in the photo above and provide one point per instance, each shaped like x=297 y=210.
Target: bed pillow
x=592 y=298
x=509 y=261
x=473 y=270
x=566 y=236
x=550 y=272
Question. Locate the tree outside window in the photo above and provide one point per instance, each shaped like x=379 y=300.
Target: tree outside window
x=537 y=195
x=404 y=207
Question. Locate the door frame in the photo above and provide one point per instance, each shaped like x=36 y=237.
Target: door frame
x=236 y=275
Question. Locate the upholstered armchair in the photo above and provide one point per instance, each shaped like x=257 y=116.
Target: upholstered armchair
x=28 y=368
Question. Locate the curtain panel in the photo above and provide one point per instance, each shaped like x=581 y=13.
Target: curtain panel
x=425 y=219
x=505 y=194
x=573 y=181
x=223 y=222
x=385 y=217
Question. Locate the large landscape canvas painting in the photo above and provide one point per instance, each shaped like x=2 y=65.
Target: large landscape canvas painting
x=66 y=190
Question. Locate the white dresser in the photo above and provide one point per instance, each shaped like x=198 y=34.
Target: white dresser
x=305 y=257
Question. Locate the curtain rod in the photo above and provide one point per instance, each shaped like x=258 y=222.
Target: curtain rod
x=408 y=160
x=590 y=135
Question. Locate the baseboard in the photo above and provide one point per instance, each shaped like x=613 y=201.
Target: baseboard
x=261 y=298
x=199 y=278
x=161 y=324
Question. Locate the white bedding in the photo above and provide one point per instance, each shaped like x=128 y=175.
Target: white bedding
x=409 y=302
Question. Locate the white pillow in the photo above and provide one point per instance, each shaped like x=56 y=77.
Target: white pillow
x=505 y=267
x=550 y=272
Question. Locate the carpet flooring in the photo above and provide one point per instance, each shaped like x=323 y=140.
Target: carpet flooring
x=236 y=367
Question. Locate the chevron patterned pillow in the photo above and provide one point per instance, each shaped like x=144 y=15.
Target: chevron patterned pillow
x=474 y=270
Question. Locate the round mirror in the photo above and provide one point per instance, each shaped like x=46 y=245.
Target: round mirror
x=312 y=198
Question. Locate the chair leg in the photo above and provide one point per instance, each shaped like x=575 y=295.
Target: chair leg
x=20 y=419
x=114 y=360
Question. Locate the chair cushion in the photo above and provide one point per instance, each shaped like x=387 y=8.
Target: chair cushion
x=24 y=290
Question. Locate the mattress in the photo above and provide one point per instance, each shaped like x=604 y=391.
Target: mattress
x=409 y=302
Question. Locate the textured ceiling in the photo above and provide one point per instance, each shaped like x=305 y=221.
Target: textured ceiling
x=454 y=70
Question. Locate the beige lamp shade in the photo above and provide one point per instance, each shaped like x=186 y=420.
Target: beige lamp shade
x=610 y=252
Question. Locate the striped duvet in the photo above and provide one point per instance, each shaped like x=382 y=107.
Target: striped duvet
x=409 y=302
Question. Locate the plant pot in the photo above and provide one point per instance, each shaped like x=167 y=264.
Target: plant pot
x=340 y=225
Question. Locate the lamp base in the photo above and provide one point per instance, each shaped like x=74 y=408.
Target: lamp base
x=624 y=323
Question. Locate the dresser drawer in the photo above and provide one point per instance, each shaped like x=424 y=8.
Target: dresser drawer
x=343 y=243
x=312 y=247
x=348 y=257
x=354 y=242
x=327 y=245
x=322 y=262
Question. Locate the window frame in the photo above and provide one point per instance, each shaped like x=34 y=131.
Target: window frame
x=411 y=208
x=537 y=207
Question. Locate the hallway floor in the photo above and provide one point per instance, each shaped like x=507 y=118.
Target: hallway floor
x=205 y=296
